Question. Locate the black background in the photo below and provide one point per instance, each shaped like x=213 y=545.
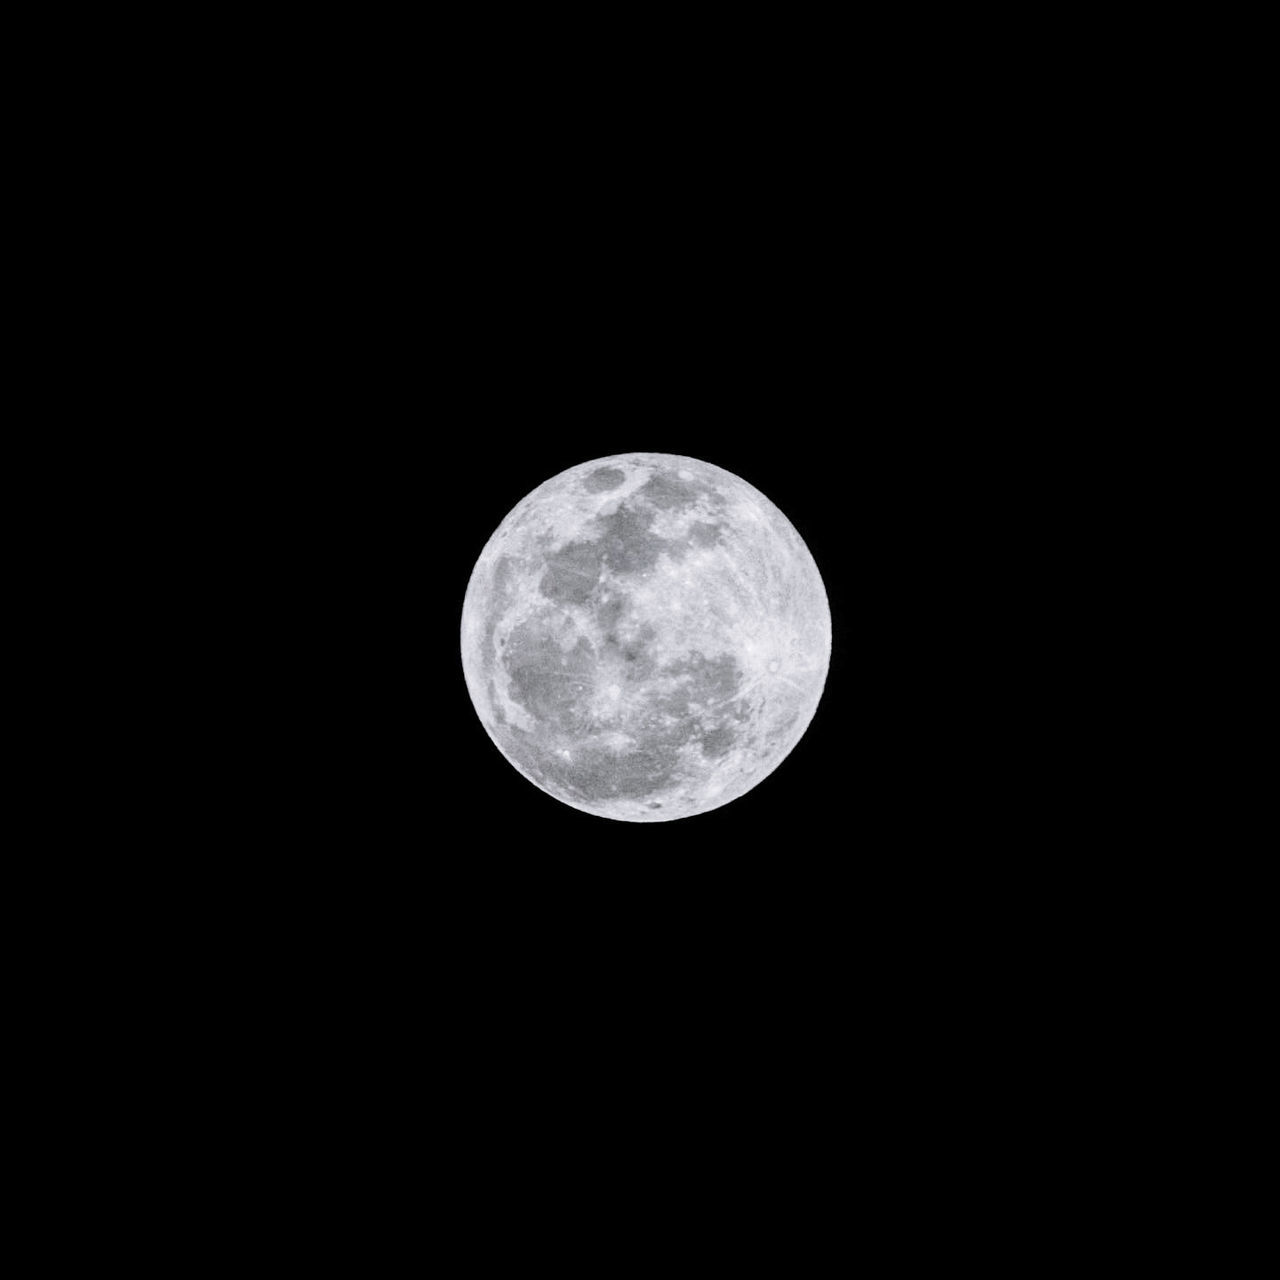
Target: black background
x=843 y=348
x=413 y=313
x=840 y=321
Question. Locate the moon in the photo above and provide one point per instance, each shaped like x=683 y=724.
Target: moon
x=645 y=637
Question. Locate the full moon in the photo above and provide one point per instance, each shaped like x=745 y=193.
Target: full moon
x=645 y=637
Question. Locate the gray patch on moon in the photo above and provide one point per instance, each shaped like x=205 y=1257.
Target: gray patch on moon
x=665 y=489
x=572 y=573
x=602 y=774
x=715 y=743
x=603 y=480
x=556 y=687
x=546 y=679
x=629 y=547
x=608 y=613
x=623 y=543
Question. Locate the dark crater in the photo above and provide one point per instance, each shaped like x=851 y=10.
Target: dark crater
x=572 y=573
x=548 y=682
x=608 y=613
x=604 y=479
x=702 y=534
x=665 y=489
x=628 y=546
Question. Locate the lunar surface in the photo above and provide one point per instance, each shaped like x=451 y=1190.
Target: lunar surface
x=645 y=637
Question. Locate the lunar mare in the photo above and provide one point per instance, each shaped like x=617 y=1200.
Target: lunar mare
x=645 y=637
